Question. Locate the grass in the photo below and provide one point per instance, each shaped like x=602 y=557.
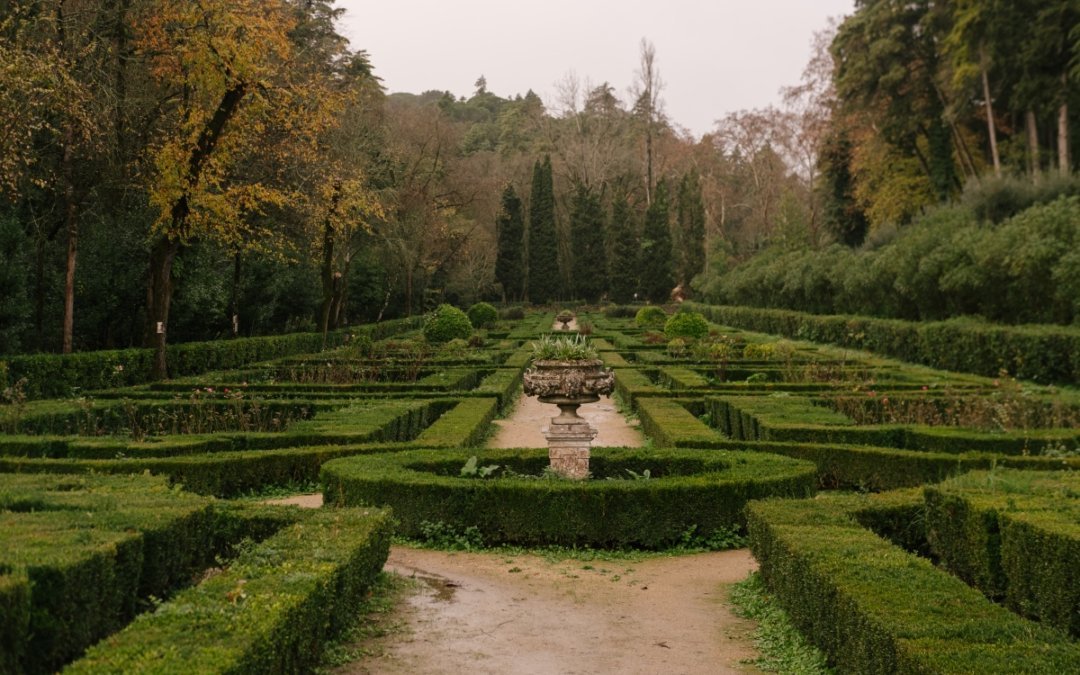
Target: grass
x=375 y=621
x=783 y=649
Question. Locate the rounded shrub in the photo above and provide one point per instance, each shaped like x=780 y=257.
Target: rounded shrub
x=634 y=498
x=483 y=315
x=446 y=323
x=686 y=325
x=650 y=315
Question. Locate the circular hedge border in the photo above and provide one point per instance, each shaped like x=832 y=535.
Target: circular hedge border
x=689 y=490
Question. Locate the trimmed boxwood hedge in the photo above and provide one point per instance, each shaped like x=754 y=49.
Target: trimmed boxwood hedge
x=270 y=611
x=875 y=608
x=1015 y=536
x=1046 y=354
x=78 y=553
x=670 y=425
x=55 y=375
x=703 y=491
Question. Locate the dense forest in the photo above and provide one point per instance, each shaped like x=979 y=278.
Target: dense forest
x=195 y=170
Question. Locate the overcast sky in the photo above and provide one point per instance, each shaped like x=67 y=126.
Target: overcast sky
x=715 y=56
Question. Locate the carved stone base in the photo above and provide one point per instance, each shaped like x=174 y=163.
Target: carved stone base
x=569 y=439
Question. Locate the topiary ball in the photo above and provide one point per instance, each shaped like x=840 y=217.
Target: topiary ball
x=483 y=315
x=650 y=315
x=446 y=323
x=686 y=325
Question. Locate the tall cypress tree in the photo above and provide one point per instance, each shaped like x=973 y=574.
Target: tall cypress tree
x=624 y=267
x=510 y=258
x=543 y=283
x=657 y=276
x=587 y=234
x=691 y=228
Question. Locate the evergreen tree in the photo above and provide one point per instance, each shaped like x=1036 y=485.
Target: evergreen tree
x=510 y=231
x=624 y=259
x=691 y=229
x=543 y=279
x=587 y=234
x=657 y=277
x=842 y=216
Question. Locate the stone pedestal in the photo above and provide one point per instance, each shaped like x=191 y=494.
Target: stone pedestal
x=569 y=384
x=569 y=439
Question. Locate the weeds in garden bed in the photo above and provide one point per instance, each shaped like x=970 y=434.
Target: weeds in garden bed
x=783 y=649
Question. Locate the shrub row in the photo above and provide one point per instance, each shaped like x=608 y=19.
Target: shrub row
x=464 y=426
x=57 y=375
x=79 y=553
x=1016 y=537
x=702 y=491
x=271 y=611
x=1046 y=354
x=795 y=419
x=357 y=422
x=670 y=425
x=875 y=608
x=631 y=384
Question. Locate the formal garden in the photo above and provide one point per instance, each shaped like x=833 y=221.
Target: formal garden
x=907 y=519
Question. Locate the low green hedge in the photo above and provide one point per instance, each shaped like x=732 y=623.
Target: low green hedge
x=55 y=375
x=632 y=383
x=271 y=611
x=670 y=425
x=1016 y=537
x=875 y=608
x=79 y=552
x=466 y=425
x=699 y=491
x=1047 y=354
x=796 y=419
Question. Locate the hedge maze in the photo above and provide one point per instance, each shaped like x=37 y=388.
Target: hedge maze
x=124 y=551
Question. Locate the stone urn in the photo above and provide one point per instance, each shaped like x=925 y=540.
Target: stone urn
x=569 y=384
x=565 y=318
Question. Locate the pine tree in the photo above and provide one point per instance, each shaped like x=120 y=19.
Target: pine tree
x=587 y=234
x=543 y=281
x=691 y=228
x=657 y=277
x=624 y=259
x=510 y=232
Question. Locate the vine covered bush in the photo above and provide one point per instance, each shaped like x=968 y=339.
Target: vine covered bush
x=650 y=316
x=446 y=323
x=686 y=325
x=483 y=315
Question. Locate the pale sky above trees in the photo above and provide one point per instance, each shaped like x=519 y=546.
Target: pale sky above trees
x=714 y=56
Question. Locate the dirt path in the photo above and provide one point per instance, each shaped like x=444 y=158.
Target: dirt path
x=524 y=427
x=492 y=613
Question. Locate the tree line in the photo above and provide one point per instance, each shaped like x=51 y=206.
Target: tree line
x=179 y=170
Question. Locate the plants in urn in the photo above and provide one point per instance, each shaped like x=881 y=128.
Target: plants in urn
x=567 y=372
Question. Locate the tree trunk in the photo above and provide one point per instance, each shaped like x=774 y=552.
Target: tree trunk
x=71 y=224
x=991 y=127
x=1064 y=161
x=159 y=297
x=1034 y=163
x=327 y=280
x=234 y=301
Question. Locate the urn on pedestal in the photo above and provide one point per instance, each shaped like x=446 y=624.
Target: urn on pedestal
x=569 y=383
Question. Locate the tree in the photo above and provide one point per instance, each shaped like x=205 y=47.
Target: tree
x=690 y=229
x=623 y=266
x=657 y=277
x=543 y=274
x=648 y=107
x=224 y=56
x=510 y=233
x=587 y=234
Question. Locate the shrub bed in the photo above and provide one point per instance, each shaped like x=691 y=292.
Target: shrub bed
x=670 y=425
x=53 y=375
x=271 y=611
x=1016 y=537
x=875 y=608
x=702 y=491
x=1046 y=354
